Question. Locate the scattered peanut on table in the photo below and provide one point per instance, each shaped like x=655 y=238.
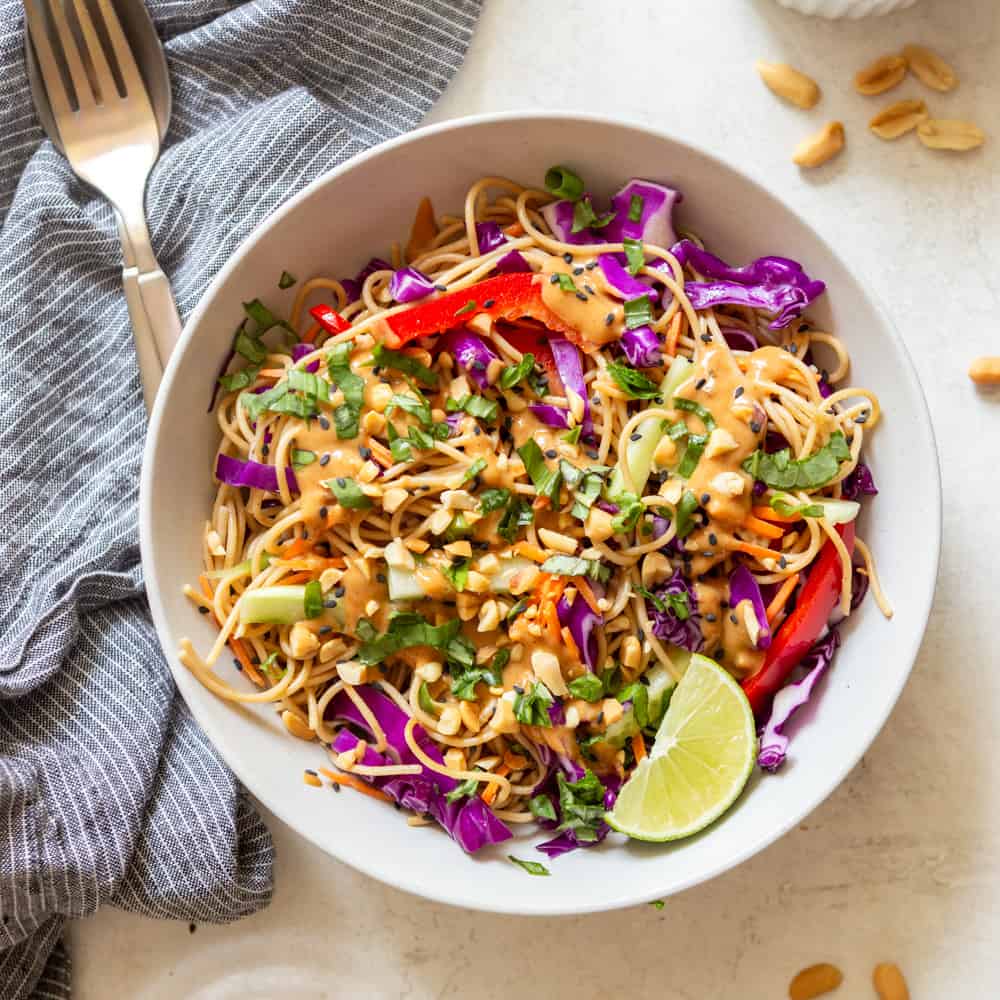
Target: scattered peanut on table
x=815 y=981
x=951 y=134
x=889 y=982
x=929 y=68
x=822 y=146
x=985 y=371
x=882 y=75
x=791 y=84
x=898 y=119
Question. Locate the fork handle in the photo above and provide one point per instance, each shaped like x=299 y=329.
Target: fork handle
x=150 y=366
x=161 y=311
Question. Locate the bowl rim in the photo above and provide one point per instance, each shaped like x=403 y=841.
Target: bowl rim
x=910 y=646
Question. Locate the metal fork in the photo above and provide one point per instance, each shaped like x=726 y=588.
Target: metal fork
x=110 y=137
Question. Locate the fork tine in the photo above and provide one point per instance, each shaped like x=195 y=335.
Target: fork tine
x=102 y=71
x=131 y=76
x=55 y=88
x=71 y=53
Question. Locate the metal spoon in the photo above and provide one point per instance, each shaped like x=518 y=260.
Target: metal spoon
x=152 y=63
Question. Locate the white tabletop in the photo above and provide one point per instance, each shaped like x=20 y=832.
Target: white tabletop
x=901 y=862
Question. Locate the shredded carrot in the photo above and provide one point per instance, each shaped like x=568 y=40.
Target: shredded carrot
x=540 y=503
x=240 y=652
x=780 y=599
x=758 y=551
x=515 y=761
x=586 y=593
x=767 y=514
x=310 y=335
x=759 y=527
x=272 y=372
x=529 y=551
x=491 y=790
x=380 y=453
x=551 y=588
x=293 y=548
x=674 y=333
x=356 y=783
x=515 y=229
x=206 y=588
x=638 y=747
x=550 y=618
x=298 y=578
x=568 y=639
x=311 y=779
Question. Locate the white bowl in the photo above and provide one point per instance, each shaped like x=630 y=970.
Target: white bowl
x=332 y=227
x=846 y=8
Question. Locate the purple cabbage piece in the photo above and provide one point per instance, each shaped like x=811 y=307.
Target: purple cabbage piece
x=774 y=742
x=825 y=389
x=744 y=587
x=612 y=508
x=739 y=339
x=641 y=347
x=301 y=350
x=489 y=236
x=410 y=285
x=570 y=368
x=352 y=286
x=670 y=628
x=557 y=714
x=469 y=821
x=559 y=217
x=242 y=472
x=581 y=621
x=472 y=353
x=655 y=223
x=858 y=483
x=512 y=263
x=566 y=841
x=621 y=281
x=775 y=284
x=454 y=420
x=551 y=416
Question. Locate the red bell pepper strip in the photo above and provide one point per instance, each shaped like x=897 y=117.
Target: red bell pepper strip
x=329 y=319
x=803 y=626
x=529 y=341
x=506 y=296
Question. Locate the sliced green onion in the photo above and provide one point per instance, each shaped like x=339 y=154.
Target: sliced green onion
x=587 y=686
x=531 y=867
x=467 y=308
x=690 y=406
x=635 y=206
x=302 y=458
x=286 y=280
x=638 y=312
x=510 y=376
x=565 y=282
x=348 y=493
x=633 y=255
x=685 y=509
x=563 y=183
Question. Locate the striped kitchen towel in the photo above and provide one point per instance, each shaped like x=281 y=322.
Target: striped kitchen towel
x=108 y=790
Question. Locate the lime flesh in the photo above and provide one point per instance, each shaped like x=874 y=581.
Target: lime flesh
x=702 y=756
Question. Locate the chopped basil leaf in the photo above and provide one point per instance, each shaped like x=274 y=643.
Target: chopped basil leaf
x=546 y=480
x=635 y=206
x=531 y=707
x=458 y=528
x=279 y=399
x=518 y=515
x=510 y=376
x=570 y=473
x=629 y=509
x=542 y=808
x=584 y=216
x=249 y=347
x=648 y=595
x=784 y=507
x=581 y=805
x=417 y=407
x=312 y=599
x=563 y=565
x=459 y=653
x=638 y=694
x=587 y=686
x=475 y=406
x=632 y=382
x=348 y=493
x=692 y=455
x=634 y=255
x=425 y=701
x=269 y=670
x=261 y=315
x=347 y=417
x=565 y=282
x=406 y=629
x=782 y=472
x=466 y=790
x=685 y=510
x=657 y=904
x=399 y=447
x=463 y=685
x=518 y=609
x=638 y=312
x=494 y=499
x=573 y=436
x=690 y=406
x=586 y=493
x=457 y=574
x=563 y=183
x=383 y=357
x=242 y=379
x=678 y=603
x=473 y=470
x=531 y=867
x=286 y=280
x=302 y=458
x=467 y=308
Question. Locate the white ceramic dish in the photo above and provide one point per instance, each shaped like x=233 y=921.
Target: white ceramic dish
x=332 y=227
x=846 y=8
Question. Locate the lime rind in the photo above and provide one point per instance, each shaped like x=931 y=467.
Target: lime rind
x=701 y=760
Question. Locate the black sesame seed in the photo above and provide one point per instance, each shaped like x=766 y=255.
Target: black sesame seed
x=782 y=562
x=380 y=577
x=324 y=423
x=738 y=392
x=339 y=590
x=862 y=418
x=441 y=288
x=635 y=437
x=329 y=603
x=705 y=497
x=600 y=717
x=706 y=338
x=266 y=450
x=551 y=453
x=710 y=617
x=568 y=257
x=325 y=629
x=202 y=611
x=590 y=265
x=365 y=452
x=708 y=553
x=323 y=512
x=477 y=431
x=581 y=296
x=377 y=370
x=793 y=348
x=640 y=635
x=341 y=481
x=734 y=619
x=335 y=787
x=755 y=426
x=609 y=319
x=554 y=279
x=237 y=664
x=578 y=270
x=590 y=452
x=712 y=538
x=489 y=303
x=590 y=289
x=324 y=459
x=700 y=384
x=518 y=689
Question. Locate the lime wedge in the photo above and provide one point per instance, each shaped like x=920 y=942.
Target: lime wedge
x=702 y=757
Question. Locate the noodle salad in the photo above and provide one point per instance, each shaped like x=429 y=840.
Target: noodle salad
x=483 y=508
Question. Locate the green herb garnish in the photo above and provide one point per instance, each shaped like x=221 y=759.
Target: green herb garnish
x=347 y=417
x=493 y=499
x=425 y=701
x=242 y=379
x=531 y=706
x=785 y=508
x=634 y=256
x=467 y=308
x=692 y=455
x=473 y=470
x=638 y=312
x=630 y=509
x=635 y=206
x=466 y=790
x=581 y=804
x=383 y=357
x=463 y=685
x=406 y=629
x=780 y=471
x=563 y=565
x=690 y=406
x=563 y=183
x=586 y=686
x=531 y=867
x=565 y=282
x=286 y=280
x=685 y=510
x=476 y=406
x=457 y=574
x=547 y=481
x=514 y=374
x=638 y=694
x=348 y=493
x=417 y=406
x=542 y=808
x=312 y=599
x=301 y=458
x=573 y=436
x=584 y=216
x=518 y=515
x=632 y=382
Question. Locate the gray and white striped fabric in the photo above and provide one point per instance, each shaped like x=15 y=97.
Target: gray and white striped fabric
x=108 y=790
